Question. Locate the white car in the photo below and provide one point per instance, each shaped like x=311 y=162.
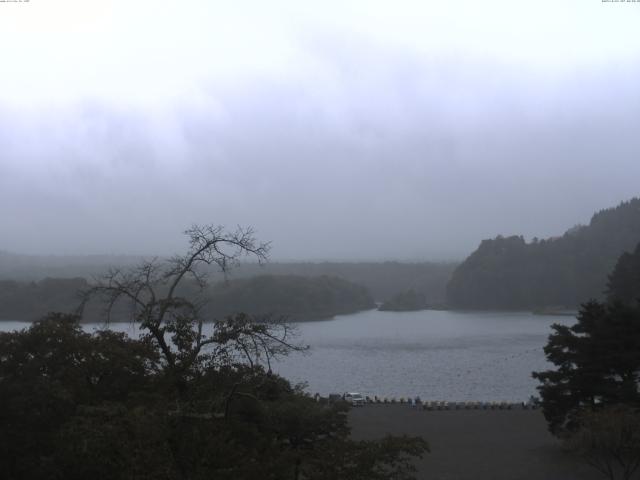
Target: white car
x=355 y=399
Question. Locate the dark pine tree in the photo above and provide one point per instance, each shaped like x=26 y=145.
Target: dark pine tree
x=597 y=359
x=624 y=281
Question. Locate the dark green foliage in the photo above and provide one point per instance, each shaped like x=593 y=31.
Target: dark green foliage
x=597 y=361
x=382 y=279
x=509 y=273
x=405 y=302
x=295 y=297
x=624 y=281
x=598 y=358
x=298 y=298
x=189 y=400
x=75 y=405
x=32 y=300
x=46 y=372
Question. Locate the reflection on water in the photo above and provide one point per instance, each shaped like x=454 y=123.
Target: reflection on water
x=438 y=355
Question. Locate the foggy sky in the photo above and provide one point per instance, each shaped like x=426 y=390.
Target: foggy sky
x=338 y=130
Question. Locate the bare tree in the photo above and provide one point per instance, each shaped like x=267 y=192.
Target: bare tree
x=166 y=299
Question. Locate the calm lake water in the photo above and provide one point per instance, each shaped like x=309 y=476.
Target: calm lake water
x=438 y=355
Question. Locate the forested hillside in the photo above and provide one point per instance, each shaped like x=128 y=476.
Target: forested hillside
x=297 y=298
x=624 y=281
x=510 y=273
x=382 y=279
x=33 y=268
x=32 y=300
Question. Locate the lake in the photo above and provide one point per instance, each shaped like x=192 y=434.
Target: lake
x=437 y=355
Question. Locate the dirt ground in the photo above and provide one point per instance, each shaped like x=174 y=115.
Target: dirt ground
x=475 y=444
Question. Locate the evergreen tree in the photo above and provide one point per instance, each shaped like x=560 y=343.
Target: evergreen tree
x=598 y=364
x=598 y=358
x=624 y=281
x=509 y=273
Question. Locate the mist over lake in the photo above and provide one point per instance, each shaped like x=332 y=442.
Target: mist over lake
x=226 y=225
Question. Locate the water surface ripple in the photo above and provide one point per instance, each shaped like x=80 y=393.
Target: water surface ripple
x=437 y=355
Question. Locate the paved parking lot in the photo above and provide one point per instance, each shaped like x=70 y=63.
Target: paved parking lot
x=476 y=444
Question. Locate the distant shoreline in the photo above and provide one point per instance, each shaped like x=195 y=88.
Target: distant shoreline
x=556 y=312
x=320 y=318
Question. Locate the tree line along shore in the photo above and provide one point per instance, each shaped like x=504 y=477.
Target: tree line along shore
x=180 y=403
x=505 y=273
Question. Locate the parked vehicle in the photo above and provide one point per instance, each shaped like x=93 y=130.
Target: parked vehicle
x=355 y=399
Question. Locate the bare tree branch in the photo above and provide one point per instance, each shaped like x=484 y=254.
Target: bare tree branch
x=174 y=322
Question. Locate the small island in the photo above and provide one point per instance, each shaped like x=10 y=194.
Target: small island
x=408 y=301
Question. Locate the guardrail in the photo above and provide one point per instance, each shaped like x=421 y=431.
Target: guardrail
x=531 y=404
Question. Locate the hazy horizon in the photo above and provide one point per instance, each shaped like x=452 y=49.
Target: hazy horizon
x=102 y=257
x=352 y=131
